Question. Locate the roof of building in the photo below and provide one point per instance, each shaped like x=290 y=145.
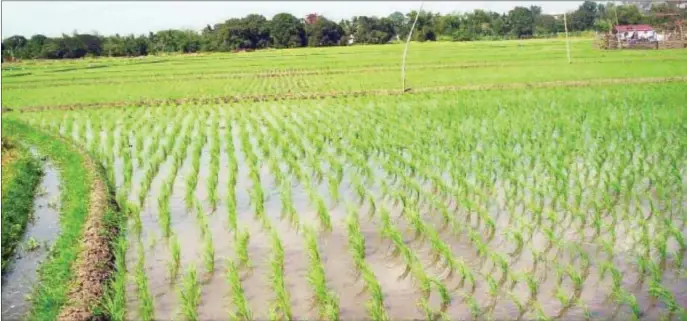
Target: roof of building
x=625 y=28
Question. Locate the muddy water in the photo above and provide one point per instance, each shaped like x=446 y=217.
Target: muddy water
x=19 y=279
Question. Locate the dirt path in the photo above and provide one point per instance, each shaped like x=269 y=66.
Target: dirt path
x=94 y=264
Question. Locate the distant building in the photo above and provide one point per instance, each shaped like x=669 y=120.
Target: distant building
x=351 y=39
x=635 y=32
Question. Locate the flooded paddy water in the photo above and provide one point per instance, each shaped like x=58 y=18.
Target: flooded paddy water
x=519 y=248
x=400 y=294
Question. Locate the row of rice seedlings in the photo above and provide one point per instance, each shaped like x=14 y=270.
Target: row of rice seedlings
x=325 y=300
x=80 y=128
x=323 y=214
x=67 y=125
x=95 y=144
x=356 y=243
x=422 y=230
x=114 y=301
x=167 y=186
x=127 y=166
x=291 y=147
x=288 y=210
x=163 y=210
x=233 y=172
x=314 y=161
x=238 y=294
x=313 y=151
x=241 y=243
x=145 y=299
x=192 y=178
x=121 y=140
x=282 y=180
x=175 y=253
x=189 y=295
x=257 y=194
x=414 y=267
x=109 y=150
x=154 y=164
x=281 y=306
x=214 y=165
x=141 y=147
x=208 y=251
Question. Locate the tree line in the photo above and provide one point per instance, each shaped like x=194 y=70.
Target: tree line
x=284 y=30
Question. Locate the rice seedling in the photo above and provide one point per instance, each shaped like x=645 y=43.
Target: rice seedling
x=281 y=306
x=214 y=166
x=323 y=298
x=238 y=296
x=145 y=299
x=189 y=295
x=173 y=265
x=242 y=239
x=208 y=253
x=115 y=298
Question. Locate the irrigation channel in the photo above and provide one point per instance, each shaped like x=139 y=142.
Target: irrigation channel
x=41 y=231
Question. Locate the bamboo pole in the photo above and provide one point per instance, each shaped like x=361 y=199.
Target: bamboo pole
x=617 y=34
x=405 y=51
x=567 y=40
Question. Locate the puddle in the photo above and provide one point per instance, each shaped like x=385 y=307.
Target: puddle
x=19 y=278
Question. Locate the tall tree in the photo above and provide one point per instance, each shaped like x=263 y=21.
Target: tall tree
x=583 y=18
x=287 y=31
x=400 y=24
x=324 y=32
x=522 y=22
x=373 y=30
x=425 y=26
x=14 y=46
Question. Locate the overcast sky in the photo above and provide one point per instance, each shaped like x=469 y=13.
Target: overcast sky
x=52 y=18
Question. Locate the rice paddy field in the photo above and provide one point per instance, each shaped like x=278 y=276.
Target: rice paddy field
x=304 y=184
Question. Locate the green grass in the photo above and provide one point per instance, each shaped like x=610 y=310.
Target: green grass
x=20 y=175
x=354 y=69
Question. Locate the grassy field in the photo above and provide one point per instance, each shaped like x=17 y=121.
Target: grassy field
x=326 y=70
x=507 y=184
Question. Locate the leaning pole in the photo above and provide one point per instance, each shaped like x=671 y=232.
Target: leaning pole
x=405 y=51
x=567 y=40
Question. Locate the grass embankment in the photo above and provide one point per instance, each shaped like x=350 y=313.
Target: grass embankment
x=20 y=176
x=71 y=282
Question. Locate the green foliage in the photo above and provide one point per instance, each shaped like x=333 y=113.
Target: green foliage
x=21 y=175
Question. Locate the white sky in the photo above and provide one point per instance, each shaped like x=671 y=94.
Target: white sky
x=52 y=18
